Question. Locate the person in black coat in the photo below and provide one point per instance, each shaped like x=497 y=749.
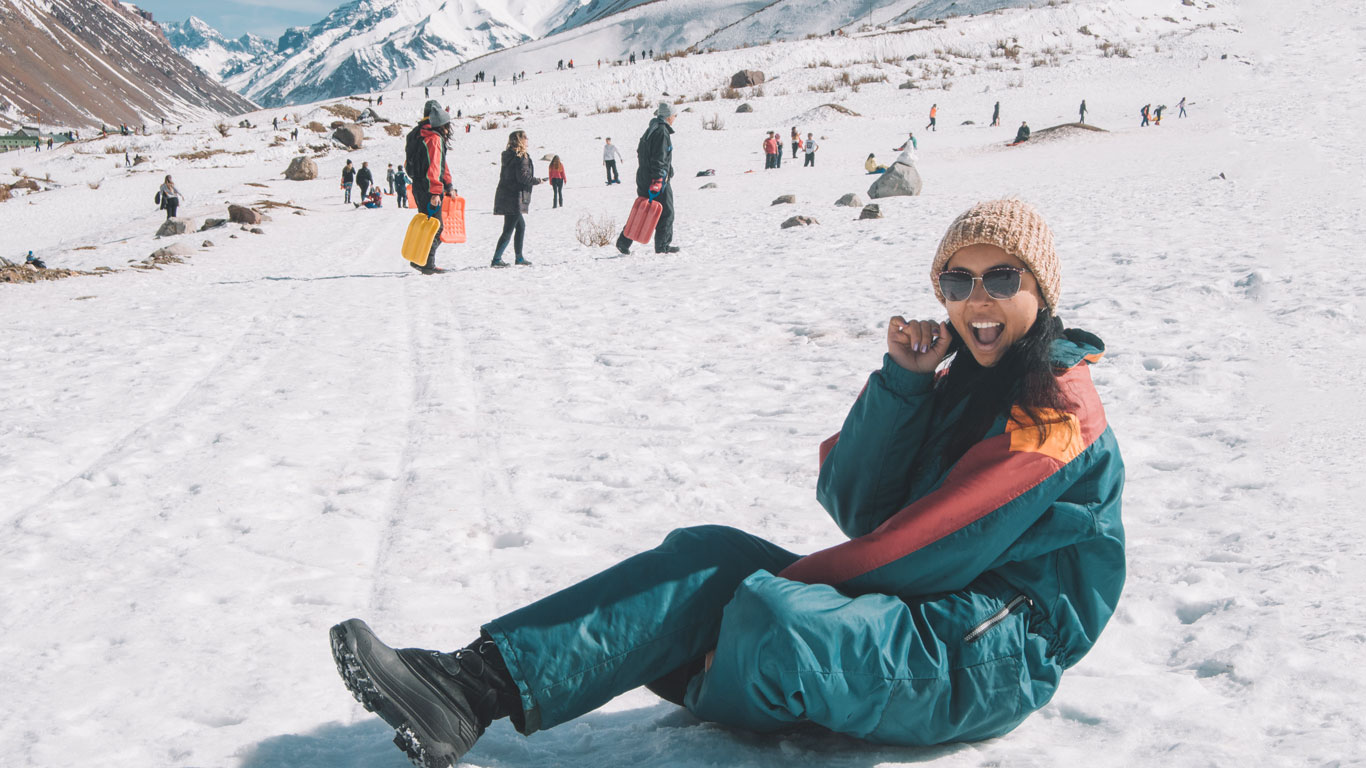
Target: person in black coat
x=348 y=177
x=364 y=178
x=654 y=171
x=512 y=199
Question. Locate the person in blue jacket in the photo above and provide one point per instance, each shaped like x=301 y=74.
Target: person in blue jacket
x=982 y=504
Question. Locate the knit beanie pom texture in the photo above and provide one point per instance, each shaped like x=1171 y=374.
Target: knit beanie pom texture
x=1015 y=227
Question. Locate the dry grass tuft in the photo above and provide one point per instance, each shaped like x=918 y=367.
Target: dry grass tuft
x=343 y=111
x=596 y=231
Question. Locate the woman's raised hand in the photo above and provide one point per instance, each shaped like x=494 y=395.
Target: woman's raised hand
x=917 y=345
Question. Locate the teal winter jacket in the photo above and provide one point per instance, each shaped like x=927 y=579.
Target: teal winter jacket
x=1036 y=517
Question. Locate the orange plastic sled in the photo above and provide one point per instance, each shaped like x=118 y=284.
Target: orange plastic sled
x=411 y=202
x=453 y=220
x=417 y=243
x=640 y=225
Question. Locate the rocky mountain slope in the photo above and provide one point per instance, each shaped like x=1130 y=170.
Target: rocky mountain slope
x=83 y=63
x=209 y=50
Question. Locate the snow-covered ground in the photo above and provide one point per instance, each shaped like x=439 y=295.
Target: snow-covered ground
x=204 y=467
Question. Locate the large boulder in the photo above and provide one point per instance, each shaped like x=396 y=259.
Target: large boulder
x=349 y=135
x=301 y=169
x=871 y=211
x=744 y=108
x=901 y=179
x=176 y=226
x=240 y=214
x=746 y=77
x=851 y=200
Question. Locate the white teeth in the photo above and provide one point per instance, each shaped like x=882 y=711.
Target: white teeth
x=985 y=325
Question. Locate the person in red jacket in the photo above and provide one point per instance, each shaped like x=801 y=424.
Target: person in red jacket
x=426 y=166
x=557 y=180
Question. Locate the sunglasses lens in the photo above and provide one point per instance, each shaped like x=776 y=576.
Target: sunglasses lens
x=1001 y=283
x=956 y=286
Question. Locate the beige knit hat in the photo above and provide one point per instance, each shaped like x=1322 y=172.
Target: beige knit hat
x=1015 y=227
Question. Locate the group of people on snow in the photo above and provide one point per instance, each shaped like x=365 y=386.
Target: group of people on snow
x=773 y=148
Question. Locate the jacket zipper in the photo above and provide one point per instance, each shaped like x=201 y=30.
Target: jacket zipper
x=995 y=618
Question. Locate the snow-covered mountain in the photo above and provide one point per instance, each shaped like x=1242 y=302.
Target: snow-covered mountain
x=81 y=63
x=209 y=50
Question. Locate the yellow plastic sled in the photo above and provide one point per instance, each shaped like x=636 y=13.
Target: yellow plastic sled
x=417 y=244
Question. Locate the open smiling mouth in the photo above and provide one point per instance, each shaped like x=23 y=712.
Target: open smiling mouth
x=987 y=334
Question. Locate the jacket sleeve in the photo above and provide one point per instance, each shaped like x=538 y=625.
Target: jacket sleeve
x=865 y=468
x=657 y=160
x=526 y=176
x=437 y=176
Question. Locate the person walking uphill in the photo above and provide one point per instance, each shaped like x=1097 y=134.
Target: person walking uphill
x=980 y=487
x=654 y=171
x=427 y=144
x=610 y=157
x=348 y=178
x=557 y=181
x=934 y=114
x=512 y=198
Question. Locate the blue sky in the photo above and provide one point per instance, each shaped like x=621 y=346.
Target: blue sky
x=267 y=18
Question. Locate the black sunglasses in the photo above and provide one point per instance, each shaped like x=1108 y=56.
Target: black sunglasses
x=999 y=282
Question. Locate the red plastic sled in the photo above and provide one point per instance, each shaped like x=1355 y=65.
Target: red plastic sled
x=411 y=202
x=453 y=220
x=640 y=225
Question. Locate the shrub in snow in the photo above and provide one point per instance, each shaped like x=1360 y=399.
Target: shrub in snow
x=596 y=231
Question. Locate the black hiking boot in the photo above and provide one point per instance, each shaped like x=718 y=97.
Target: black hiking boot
x=439 y=703
x=498 y=262
x=667 y=249
x=521 y=262
x=429 y=269
x=623 y=245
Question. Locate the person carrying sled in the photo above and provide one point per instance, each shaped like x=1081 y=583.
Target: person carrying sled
x=1022 y=135
x=168 y=196
x=425 y=161
x=512 y=198
x=654 y=172
x=348 y=178
x=610 y=156
x=980 y=487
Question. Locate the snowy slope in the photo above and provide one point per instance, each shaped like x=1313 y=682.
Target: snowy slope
x=205 y=466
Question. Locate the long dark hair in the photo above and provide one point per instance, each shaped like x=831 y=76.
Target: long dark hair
x=1024 y=377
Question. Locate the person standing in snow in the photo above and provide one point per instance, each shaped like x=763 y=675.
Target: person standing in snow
x=934 y=114
x=996 y=114
x=909 y=143
x=348 y=177
x=610 y=156
x=401 y=187
x=1082 y=112
x=557 y=181
x=796 y=142
x=769 y=145
x=512 y=198
x=810 y=151
x=364 y=178
x=1144 y=113
x=777 y=149
x=980 y=486
x=654 y=172
x=1181 y=105
x=427 y=145
x=170 y=196
x=389 y=177
x=1022 y=135
x=275 y=123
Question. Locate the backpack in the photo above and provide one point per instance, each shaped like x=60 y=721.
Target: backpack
x=416 y=160
x=157 y=199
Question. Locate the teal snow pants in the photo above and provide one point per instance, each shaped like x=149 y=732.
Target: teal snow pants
x=875 y=666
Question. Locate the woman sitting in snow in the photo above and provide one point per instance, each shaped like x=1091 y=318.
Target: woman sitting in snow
x=986 y=554
x=375 y=199
x=870 y=165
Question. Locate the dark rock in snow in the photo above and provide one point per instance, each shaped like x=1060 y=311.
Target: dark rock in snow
x=870 y=211
x=901 y=179
x=852 y=200
x=799 y=221
x=349 y=135
x=176 y=226
x=710 y=185
x=211 y=223
x=784 y=199
x=744 y=108
x=746 y=77
x=240 y=214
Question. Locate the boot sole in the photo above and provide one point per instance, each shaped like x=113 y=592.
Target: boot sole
x=423 y=749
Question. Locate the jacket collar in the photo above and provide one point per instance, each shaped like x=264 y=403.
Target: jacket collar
x=1076 y=347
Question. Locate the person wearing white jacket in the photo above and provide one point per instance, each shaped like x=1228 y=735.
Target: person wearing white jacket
x=610 y=156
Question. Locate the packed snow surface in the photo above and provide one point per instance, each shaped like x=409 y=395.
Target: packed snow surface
x=204 y=466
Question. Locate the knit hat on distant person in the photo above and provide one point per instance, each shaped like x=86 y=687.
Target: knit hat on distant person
x=665 y=110
x=1015 y=227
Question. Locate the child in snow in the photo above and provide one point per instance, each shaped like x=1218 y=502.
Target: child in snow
x=401 y=186
x=557 y=180
x=870 y=165
x=375 y=199
x=982 y=500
